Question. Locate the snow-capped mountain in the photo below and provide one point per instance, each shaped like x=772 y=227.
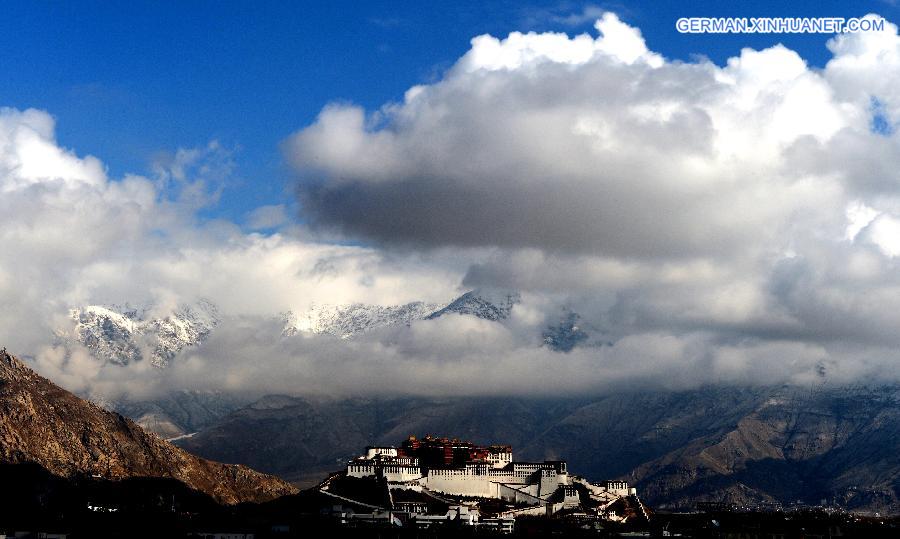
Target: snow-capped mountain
x=123 y=335
x=565 y=335
x=346 y=321
x=493 y=306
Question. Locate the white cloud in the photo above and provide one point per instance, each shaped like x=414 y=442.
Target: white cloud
x=866 y=65
x=884 y=231
x=617 y=40
x=588 y=14
x=30 y=155
x=271 y=216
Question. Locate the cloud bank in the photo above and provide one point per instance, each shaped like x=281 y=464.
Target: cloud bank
x=710 y=224
x=584 y=145
x=753 y=204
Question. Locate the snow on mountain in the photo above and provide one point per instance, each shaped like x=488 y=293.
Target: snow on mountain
x=189 y=325
x=565 y=335
x=346 y=321
x=493 y=305
x=123 y=335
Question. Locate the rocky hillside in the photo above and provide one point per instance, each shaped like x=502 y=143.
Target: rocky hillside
x=43 y=424
x=837 y=445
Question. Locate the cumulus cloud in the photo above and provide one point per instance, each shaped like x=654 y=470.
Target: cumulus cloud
x=582 y=144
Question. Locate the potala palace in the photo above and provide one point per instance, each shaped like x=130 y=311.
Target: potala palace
x=436 y=480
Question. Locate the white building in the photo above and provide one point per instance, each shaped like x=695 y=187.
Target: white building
x=385 y=451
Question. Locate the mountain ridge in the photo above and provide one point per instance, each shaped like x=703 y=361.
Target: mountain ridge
x=124 y=334
x=345 y=321
x=482 y=305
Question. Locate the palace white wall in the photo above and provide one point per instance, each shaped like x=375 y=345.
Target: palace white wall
x=371 y=452
x=461 y=484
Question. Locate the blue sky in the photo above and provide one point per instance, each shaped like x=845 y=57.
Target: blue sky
x=130 y=82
